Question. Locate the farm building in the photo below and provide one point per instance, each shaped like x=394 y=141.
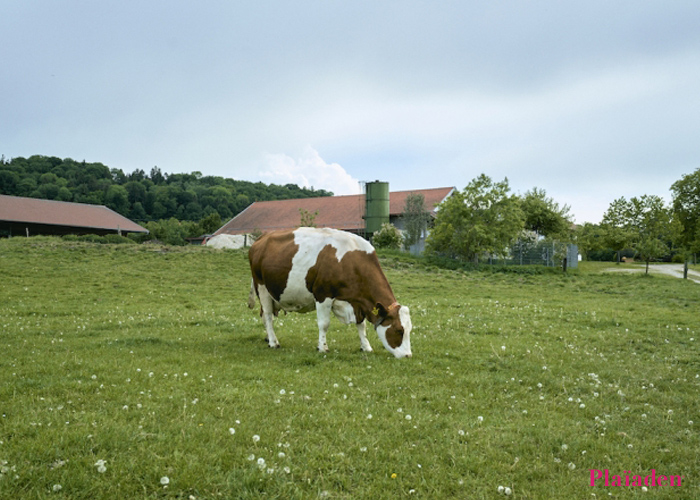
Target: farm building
x=350 y=213
x=30 y=216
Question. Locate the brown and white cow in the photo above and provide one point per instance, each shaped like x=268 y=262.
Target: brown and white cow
x=327 y=270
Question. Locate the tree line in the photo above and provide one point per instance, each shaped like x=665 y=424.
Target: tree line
x=138 y=195
x=486 y=219
x=647 y=228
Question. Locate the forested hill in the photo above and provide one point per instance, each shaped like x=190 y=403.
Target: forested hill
x=138 y=195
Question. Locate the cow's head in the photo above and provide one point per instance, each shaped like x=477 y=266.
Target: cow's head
x=393 y=326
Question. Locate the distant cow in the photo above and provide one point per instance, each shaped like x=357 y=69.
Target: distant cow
x=327 y=270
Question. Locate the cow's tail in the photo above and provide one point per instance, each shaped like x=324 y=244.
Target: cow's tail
x=251 y=295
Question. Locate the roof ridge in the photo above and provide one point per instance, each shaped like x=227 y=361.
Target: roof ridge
x=57 y=201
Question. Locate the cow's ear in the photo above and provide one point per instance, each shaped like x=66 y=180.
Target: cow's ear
x=381 y=310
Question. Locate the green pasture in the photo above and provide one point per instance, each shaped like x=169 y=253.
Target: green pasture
x=137 y=371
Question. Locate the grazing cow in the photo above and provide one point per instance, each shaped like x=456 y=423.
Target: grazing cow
x=327 y=270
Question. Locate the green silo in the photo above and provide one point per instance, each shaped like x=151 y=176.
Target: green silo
x=376 y=206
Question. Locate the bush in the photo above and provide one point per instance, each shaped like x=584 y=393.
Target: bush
x=94 y=238
x=388 y=236
x=119 y=240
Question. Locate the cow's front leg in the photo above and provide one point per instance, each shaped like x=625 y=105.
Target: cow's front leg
x=268 y=315
x=323 y=317
x=364 y=343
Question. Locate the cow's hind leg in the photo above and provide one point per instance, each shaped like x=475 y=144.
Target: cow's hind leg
x=323 y=317
x=268 y=315
x=364 y=343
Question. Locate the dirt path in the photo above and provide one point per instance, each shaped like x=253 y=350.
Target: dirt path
x=675 y=270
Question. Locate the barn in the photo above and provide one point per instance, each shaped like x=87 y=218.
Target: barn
x=349 y=213
x=30 y=216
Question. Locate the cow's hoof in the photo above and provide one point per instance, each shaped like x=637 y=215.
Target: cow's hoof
x=323 y=348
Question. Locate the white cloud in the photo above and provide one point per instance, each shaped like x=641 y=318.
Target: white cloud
x=310 y=170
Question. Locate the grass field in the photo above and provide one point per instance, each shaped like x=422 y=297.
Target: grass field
x=139 y=372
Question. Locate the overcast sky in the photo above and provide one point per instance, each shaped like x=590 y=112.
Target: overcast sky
x=589 y=101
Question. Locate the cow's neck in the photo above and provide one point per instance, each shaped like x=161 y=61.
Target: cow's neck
x=380 y=293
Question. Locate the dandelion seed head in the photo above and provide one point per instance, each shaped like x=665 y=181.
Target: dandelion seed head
x=231 y=431
x=165 y=480
x=256 y=438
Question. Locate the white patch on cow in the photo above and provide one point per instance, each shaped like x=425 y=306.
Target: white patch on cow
x=267 y=304
x=362 y=332
x=344 y=312
x=315 y=240
x=405 y=348
x=323 y=318
x=296 y=297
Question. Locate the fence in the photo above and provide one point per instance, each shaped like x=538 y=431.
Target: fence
x=541 y=253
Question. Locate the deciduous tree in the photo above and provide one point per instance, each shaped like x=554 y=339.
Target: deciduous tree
x=415 y=219
x=483 y=219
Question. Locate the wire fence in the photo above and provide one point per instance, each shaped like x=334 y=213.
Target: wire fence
x=541 y=253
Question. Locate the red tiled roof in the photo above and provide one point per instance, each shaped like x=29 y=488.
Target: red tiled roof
x=17 y=209
x=338 y=212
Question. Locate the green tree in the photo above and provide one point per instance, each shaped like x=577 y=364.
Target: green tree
x=137 y=212
x=686 y=208
x=117 y=198
x=544 y=216
x=137 y=192
x=643 y=224
x=415 y=219
x=650 y=222
x=483 y=219
x=8 y=182
x=210 y=223
x=616 y=231
x=589 y=238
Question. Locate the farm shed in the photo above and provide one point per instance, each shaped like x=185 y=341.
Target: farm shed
x=337 y=212
x=30 y=216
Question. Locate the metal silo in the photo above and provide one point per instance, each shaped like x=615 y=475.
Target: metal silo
x=376 y=206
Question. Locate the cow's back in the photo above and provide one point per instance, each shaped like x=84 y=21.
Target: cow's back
x=281 y=261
